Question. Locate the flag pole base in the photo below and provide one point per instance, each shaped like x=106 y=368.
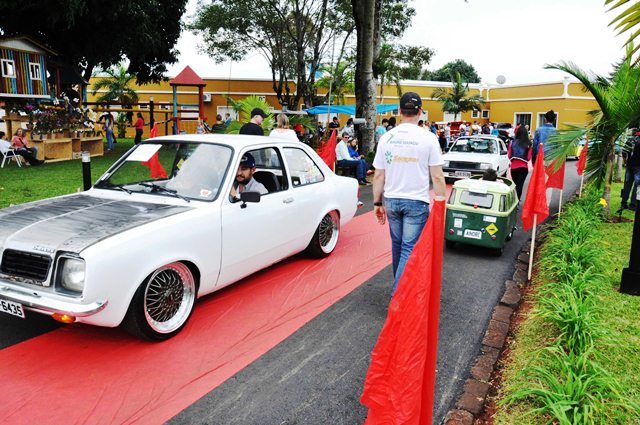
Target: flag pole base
x=630 y=283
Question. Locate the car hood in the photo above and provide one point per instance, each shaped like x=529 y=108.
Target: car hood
x=73 y=223
x=471 y=157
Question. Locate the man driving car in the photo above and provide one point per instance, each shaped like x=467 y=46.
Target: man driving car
x=244 y=179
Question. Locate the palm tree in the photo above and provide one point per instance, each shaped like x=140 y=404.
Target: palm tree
x=116 y=82
x=244 y=107
x=343 y=80
x=456 y=99
x=618 y=97
x=626 y=21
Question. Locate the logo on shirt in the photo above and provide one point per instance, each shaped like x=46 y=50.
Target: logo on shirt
x=388 y=157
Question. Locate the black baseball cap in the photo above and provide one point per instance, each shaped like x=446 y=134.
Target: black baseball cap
x=410 y=101
x=247 y=160
x=258 y=111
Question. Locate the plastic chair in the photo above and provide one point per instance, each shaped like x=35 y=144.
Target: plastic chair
x=8 y=153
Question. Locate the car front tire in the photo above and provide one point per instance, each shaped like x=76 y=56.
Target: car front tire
x=163 y=303
x=326 y=237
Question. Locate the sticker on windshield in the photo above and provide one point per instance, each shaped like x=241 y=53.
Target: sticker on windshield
x=204 y=193
x=143 y=152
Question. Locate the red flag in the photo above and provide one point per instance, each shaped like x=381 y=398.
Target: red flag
x=556 y=178
x=154 y=131
x=582 y=162
x=536 y=200
x=400 y=383
x=157 y=171
x=328 y=150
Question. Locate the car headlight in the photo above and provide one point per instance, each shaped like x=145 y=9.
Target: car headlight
x=72 y=274
x=485 y=166
x=446 y=164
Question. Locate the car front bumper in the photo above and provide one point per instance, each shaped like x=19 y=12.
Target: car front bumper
x=43 y=303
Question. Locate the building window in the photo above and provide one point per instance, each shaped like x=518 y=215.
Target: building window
x=485 y=113
x=523 y=118
x=8 y=68
x=541 y=120
x=165 y=106
x=475 y=114
x=34 y=71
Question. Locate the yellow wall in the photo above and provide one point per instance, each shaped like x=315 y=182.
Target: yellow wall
x=503 y=101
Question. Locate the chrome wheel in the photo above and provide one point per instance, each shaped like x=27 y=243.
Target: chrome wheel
x=169 y=297
x=328 y=232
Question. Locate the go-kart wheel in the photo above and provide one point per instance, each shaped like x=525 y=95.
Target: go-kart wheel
x=162 y=304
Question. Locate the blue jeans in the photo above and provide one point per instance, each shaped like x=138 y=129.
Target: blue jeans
x=109 y=133
x=631 y=178
x=360 y=164
x=407 y=218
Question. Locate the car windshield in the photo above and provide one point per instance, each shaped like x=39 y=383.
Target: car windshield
x=474 y=145
x=186 y=170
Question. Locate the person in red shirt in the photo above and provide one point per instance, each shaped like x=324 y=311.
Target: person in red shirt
x=139 y=127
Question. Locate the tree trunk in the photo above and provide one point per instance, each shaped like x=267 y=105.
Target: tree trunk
x=367 y=30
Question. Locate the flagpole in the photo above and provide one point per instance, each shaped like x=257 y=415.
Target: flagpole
x=560 y=204
x=581 y=182
x=533 y=244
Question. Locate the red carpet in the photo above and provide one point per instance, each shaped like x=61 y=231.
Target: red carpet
x=82 y=374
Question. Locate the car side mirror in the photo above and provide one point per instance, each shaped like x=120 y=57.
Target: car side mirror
x=249 y=197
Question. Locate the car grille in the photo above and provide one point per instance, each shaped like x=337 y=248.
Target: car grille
x=464 y=165
x=25 y=264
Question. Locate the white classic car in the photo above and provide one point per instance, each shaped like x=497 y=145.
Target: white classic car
x=472 y=155
x=160 y=229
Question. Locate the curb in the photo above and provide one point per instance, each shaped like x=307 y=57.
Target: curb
x=471 y=403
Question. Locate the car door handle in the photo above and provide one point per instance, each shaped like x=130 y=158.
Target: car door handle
x=287 y=200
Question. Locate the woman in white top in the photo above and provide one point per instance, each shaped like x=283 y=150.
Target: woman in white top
x=283 y=131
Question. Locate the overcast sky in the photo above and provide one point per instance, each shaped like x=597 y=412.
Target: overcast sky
x=514 y=38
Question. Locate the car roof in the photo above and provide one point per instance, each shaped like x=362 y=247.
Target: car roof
x=490 y=186
x=237 y=141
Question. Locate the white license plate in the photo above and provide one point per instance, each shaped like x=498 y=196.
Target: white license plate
x=473 y=234
x=463 y=174
x=12 y=308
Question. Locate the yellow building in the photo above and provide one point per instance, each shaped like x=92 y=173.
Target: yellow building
x=517 y=103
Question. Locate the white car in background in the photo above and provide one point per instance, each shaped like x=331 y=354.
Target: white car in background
x=473 y=155
x=159 y=229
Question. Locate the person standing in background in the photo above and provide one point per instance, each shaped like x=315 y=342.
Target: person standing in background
x=254 y=126
x=139 y=125
x=519 y=153
x=283 y=131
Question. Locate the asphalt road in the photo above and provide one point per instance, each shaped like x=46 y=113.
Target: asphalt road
x=316 y=375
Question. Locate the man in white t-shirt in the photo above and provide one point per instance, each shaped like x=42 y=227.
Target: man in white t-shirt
x=405 y=158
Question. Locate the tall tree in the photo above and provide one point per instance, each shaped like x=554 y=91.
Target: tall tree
x=456 y=99
x=375 y=22
x=92 y=33
x=366 y=15
x=618 y=98
x=398 y=62
x=292 y=35
x=449 y=70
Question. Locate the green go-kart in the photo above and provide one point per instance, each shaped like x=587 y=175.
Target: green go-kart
x=481 y=213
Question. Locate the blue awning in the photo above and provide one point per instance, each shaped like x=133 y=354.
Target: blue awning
x=348 y=109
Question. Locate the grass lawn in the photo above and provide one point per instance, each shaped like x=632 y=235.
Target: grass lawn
x=616 y=350
x=26 y=184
